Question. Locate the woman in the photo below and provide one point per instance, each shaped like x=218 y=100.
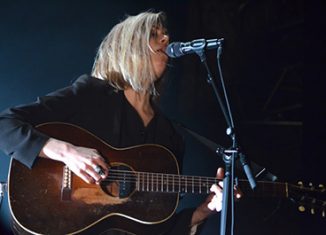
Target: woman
x=116 y=104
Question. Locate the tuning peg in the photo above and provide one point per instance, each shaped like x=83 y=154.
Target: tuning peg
x=321 y=187
x=323 y=213
x=301 y=208
x=300 y=183
x=312 y=210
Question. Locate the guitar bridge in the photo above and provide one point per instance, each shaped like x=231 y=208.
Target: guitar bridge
x=66 y=184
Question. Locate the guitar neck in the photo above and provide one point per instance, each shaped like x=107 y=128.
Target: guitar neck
x=265 y=189
x=172 y=183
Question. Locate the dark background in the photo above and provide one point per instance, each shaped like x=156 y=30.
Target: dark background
x=44 y=45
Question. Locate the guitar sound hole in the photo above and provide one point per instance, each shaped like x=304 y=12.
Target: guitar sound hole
x=120 y=182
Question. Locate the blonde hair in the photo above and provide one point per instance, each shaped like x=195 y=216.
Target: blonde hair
x=123 y=57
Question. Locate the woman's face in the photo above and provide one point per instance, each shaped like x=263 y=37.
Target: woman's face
x=158 y=43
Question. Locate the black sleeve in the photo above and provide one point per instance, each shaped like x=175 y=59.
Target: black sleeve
x=181 y=222
x=18 y=137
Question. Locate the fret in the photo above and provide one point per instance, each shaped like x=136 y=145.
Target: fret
x=152 y=182
x=156 y=182
x=182 y=185
x=207 y=185
x=137 y=181
x=142 y=186
x=186 y=185
x=193 y=185
x=144 y=181
x=173 y=183
x=162 y=183
x=147 y=183
x=179 y=183
x=199 y=185
x=124 y=181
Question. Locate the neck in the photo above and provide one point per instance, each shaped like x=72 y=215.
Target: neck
x=141 y=103
x=138 y=100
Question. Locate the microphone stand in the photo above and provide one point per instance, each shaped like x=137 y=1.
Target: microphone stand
x=228 y=158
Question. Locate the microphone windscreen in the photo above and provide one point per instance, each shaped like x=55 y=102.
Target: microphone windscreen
x=173 y=50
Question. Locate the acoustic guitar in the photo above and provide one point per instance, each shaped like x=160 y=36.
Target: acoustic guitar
x=140 y=194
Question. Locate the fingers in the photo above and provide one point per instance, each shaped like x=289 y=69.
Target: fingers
x=98 y=170
x=88 y=174
x=216 y=197
x=85 y=163
x=220 y=173
x=93 y=173
x=216 y=201
x=216 y=189
x=86 y=177
x=97 y=162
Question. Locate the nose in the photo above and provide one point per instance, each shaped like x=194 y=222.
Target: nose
x=165 y=39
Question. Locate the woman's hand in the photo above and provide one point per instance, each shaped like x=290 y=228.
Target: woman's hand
x=212 y=203
x=82 y=161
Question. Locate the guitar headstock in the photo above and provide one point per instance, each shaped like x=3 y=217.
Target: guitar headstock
x=309 y=198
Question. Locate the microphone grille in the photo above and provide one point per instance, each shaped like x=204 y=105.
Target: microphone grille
x=173 y=50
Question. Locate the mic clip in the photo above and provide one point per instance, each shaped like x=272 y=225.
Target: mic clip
x=222 y=151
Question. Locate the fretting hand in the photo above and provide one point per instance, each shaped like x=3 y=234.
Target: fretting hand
x=213 y=203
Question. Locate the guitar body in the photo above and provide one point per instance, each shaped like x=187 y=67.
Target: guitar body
x=49 y=199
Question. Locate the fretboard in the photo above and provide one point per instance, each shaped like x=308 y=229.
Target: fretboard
x=265 y=189
x=170 y=183
x=173 y=183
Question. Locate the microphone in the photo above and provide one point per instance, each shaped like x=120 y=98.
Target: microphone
x=247 y=171
x=178 y=49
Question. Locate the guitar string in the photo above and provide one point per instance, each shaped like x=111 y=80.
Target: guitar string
x=183 y=180
x=144 y=180
x=149 y=178
x=129 y=177
x=162 y=177
x=158 y=176
x=158 y=181
x=132 y=175
x=159 y=186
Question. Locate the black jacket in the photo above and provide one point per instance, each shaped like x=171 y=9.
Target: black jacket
x=94 y=105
